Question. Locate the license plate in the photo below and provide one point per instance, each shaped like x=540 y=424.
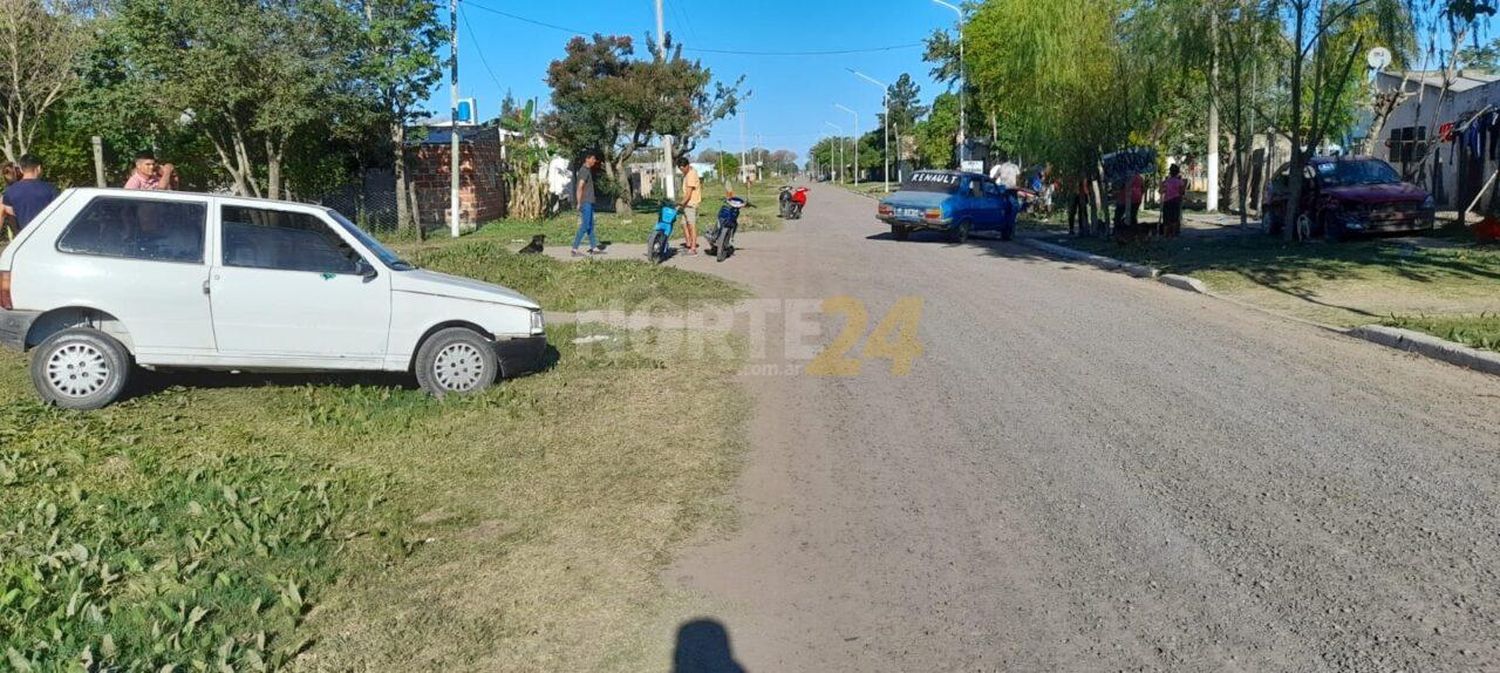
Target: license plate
x=909 y=213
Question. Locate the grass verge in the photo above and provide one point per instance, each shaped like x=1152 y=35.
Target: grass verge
x=635 y=226
x=352 y=523
x=573 y=286
x=1476 y=331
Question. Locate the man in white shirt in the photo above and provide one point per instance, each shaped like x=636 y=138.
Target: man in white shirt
x=1006 y=174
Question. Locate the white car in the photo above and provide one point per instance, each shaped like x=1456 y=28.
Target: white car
x=105 y=279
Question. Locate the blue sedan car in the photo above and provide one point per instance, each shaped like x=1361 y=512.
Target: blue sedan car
x=953 y=202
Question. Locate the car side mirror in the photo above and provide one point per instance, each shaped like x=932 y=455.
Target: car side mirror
x=364 y=269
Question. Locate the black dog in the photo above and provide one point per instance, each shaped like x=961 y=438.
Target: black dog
x=535 y=246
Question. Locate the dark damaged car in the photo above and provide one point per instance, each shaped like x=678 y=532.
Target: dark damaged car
x=1344 y=197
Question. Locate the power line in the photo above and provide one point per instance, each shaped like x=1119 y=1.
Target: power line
x=465 y=16
x=832 y=52
x=735 y=52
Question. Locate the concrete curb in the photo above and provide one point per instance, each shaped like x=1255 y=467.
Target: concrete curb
x=1106 y=263
x=1188 y=283
x=1430 y=346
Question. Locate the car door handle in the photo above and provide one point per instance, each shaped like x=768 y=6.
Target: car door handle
x=207 y=287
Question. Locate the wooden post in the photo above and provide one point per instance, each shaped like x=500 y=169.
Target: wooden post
x=98 y=161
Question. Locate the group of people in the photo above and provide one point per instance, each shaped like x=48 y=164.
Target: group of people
x=27 y=194
x=584 y=196
x=1129 y=194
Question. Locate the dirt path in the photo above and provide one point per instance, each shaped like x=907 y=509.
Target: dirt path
x=1089 y=472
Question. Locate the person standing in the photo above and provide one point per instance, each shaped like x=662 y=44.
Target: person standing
x=1172 y=191
x=149 y=175
x=28 y=196
x=583 y=194
x=1128 y=197
x=692 y=197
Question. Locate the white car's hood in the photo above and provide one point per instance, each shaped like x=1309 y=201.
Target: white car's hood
x=422 y=281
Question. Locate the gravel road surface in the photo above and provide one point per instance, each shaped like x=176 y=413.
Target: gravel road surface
x=1089 y=472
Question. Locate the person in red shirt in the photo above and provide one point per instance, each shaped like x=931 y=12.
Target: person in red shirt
x=1128 y=198
x=1172 y=191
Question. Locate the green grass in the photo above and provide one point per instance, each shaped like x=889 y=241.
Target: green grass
x=353 y=523
x=636 y=226
x=1231 y=263
x=573 y=286
x=1476 y=331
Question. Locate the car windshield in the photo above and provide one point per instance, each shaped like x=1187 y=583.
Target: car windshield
x=388 y=258
x=930 y=181
x=1345 y=173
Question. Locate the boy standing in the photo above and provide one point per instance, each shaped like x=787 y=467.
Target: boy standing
x=692 y=197
x=583 y=193
x=28 y=196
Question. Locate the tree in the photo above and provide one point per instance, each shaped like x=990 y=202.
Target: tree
x=398 y=66
x=605 y=99
x=936 y=135
x=38 y=66
x=1484 y=58
x=247 y=76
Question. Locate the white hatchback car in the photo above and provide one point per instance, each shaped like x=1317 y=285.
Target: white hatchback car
x=105 y=279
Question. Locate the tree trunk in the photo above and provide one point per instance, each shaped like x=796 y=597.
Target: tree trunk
x=273 y=170
x=404 y=219
x=1213 y=117
x=1298 y=158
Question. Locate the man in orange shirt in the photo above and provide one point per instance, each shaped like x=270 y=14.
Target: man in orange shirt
x=692 y=197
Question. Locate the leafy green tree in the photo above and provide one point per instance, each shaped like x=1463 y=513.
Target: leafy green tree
x=1484 y=58
x=397 y=67
x=935 y=135
x=45 y=39
x=605 y=99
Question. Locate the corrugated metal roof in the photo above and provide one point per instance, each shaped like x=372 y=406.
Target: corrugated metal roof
x=1462 y=81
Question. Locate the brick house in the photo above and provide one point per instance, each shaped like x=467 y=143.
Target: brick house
x=483 y=191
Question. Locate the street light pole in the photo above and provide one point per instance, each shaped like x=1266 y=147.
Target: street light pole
x=963 y=117
x=840 y=129
x=885 y=99
x=666 y=139
x=453 y=121
x=856 y=140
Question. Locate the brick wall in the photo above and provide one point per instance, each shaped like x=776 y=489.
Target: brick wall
x=482 y=188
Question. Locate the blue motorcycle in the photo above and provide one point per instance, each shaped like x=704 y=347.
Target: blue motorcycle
x=661 y=237
x=721 y=239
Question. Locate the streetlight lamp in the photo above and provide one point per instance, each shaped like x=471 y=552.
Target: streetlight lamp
x=885 y=98
x=856 y=140
x=840 y=129
x=963 y=121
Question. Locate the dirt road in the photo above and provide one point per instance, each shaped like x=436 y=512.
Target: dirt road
x=1089 y=472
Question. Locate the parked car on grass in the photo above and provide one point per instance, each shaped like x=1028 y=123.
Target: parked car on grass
x=106 y=279
x=1345 y=196
x=950 y=201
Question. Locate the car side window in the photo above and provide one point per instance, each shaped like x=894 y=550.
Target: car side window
x=992 y=190
x=262 y=238
x=133 y=228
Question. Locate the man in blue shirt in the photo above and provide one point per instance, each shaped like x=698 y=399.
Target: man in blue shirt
x=29 y=195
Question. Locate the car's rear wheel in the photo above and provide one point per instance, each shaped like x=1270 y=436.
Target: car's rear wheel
x=1269 y=223
x=900 y=233
x=80 y=368
x=960 y=233
x=1333 y=231
x=456 y=360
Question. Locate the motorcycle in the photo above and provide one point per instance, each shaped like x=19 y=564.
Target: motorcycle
x=661 y=236
x=785 y=203
x=721 y=239
x=799 y=201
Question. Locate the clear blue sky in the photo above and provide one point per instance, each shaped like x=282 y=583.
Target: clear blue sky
x=792 y=95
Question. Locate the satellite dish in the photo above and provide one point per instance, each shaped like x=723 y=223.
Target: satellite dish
x=1379 y=58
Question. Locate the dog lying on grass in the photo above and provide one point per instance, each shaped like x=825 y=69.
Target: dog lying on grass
x=535 y=246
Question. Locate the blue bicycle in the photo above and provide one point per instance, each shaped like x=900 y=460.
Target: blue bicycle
x=661 y=237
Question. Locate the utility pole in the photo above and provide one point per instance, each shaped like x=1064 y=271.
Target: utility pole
x=836 y=173
x=666 y=140
x=856 y=140
x=453 y=121
x=885 y=99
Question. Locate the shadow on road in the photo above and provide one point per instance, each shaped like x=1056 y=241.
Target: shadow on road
x=703 y=647
x=991 y=246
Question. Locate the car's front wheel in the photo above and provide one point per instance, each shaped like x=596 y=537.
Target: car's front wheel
x=458 y=361
x=80 y=368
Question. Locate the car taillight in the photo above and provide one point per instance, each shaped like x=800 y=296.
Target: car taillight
x=885 y=209
x=934 y=213
x=5 y=302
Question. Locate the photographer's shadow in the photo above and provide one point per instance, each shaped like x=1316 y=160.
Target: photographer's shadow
x=703 y=647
